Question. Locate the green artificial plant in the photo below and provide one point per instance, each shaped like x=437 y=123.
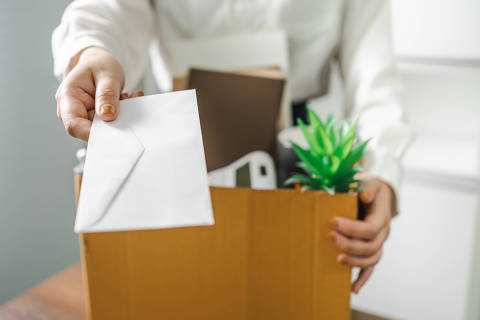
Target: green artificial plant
x=330 y=162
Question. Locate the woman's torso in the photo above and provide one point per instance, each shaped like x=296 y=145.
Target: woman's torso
x=312 y=28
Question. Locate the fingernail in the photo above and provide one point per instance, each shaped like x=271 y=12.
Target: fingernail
x=140 y=93
x=341 y=258
x=334 y=223
x=355 y=289
x=332 y=238
x=107 y=109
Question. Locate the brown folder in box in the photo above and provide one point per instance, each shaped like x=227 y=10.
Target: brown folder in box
x=266 y=257
x=238 y=112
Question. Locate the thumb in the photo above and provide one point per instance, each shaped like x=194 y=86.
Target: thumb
x=107 y=97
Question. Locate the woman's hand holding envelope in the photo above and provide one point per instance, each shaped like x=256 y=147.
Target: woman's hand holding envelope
x=92 y=84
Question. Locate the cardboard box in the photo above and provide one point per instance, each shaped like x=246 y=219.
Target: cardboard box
x=266 y=257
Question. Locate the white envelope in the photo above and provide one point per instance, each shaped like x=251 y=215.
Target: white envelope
x=146 y=169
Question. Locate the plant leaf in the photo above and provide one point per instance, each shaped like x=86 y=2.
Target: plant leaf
x=352 y=131
x=354 y=156
x=330 y=190
x=357 y=189
x=310 y=137
x=335 y=164
x=306 y=187
x=329 y=121
x=298 y=178
x=313 y=119
x=334 y=136
x=339 y=177
x=302 y=166
x=329 y=128
x=347 y=146
x=326 y=143
x=330 y=162
x=326 y=165
x=307 y=158
x=348 y=182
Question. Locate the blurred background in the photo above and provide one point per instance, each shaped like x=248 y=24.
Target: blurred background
x=36 y=198
x=431 y=263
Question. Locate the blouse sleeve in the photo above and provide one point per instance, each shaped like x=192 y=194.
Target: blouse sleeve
x=122 y=27
x=373 y=88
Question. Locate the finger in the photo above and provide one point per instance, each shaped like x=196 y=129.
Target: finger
x=107 y=97
x=362 y=278
x=362 y=262
x=367 y=230
x=91 y=114
x=370 y=189
x=77 y=127
x=357 y=247
x=369 y=186
x=73 y=113
x=138 y=93
x=71 y=91
x=379 y=212
x=378 y=215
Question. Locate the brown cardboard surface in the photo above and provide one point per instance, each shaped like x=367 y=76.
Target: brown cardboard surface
x=180 y=83
x=266 y=257
x=239 y=108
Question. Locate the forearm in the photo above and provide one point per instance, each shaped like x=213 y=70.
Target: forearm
x=123 y=28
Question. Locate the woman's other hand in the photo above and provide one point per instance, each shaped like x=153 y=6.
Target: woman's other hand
x=361 y=241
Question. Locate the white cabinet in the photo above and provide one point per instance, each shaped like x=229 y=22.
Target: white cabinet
x=427 y=269
x=436 y=28
x=431 y=263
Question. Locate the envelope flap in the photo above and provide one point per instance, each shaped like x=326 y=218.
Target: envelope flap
x=112 y=166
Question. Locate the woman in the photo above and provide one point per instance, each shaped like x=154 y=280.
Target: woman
x=100 y=48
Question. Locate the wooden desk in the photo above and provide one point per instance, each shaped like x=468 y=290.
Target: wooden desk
x=59 y=297
x=62 y=297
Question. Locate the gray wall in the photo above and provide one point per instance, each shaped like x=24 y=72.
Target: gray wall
x=36 y=185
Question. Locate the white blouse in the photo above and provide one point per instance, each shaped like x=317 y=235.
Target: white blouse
x=356 y=33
